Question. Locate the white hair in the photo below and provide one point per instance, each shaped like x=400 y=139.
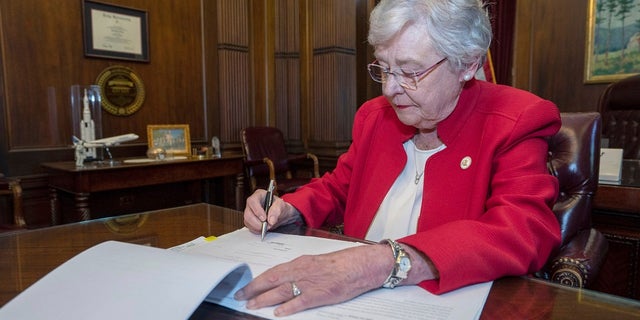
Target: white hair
x=458 y=29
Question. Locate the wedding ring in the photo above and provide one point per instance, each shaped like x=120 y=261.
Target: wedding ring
x=295 y=290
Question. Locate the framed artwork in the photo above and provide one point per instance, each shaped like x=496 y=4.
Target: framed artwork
x=173 y=138
x=115 y=32
x=613 y=40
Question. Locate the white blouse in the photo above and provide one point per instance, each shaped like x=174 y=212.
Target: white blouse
x=398 y=214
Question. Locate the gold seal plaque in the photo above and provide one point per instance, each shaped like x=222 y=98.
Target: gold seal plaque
x=121 y=89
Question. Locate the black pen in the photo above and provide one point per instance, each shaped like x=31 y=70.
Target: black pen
x=268 y=201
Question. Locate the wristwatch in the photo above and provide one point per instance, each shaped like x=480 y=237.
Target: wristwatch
x=401 y=267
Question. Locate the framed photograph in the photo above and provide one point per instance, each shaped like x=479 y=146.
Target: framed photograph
x=115 y=32
x=613 y=40
x=173 y=138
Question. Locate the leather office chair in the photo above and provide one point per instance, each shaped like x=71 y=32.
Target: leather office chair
x=574 y=158
x=12 y=188
x=266 y=158
x=619 y=105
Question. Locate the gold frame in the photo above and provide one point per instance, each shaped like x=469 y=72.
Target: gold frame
x=592 y=72
x=179 y=132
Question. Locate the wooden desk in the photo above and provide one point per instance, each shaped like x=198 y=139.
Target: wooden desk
x=26 y=256
x=624 y=197
x=617 y=215
x=81 y=182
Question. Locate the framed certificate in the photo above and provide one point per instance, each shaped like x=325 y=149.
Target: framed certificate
x=115 y=32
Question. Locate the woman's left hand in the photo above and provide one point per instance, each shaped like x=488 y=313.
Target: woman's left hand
x=316 y=280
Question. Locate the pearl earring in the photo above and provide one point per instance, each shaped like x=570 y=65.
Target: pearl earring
x=467 y=77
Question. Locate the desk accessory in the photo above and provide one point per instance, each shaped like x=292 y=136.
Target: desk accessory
x=81 y=145
x=173 y=138
x=215 y=144
x=156 y=153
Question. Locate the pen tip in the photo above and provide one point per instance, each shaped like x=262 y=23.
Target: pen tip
x=264 y=230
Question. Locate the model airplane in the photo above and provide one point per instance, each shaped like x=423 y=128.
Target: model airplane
x=81 y=146
x=106 y=142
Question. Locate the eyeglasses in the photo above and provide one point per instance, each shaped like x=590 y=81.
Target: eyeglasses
x=408 y=79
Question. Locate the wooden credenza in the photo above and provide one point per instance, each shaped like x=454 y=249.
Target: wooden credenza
x=617 y=215
x=100 y=190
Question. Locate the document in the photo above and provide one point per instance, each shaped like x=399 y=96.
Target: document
x=116 y=280
x=415 y=302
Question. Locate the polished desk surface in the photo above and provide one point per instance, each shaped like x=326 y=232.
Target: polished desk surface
x=26 y=256
x=622 y=197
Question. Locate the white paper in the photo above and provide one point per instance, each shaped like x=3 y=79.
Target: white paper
x=414 y=302
x=610 y=165
x=116 y=280
x=116 y=32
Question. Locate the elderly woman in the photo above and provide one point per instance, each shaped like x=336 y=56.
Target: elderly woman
x=452 y=169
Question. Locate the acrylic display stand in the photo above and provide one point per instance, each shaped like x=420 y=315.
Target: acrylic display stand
x=86 y=114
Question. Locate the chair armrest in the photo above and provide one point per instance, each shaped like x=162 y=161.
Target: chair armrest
x=261 y=163
x=11 y=186
x=578 y=262
x=253 y=163
x=303 y=159
x=272 y=169
x=261 y=168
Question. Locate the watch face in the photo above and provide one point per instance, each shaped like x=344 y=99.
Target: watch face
x=405 y=264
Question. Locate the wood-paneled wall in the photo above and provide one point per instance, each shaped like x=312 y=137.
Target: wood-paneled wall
x=334 y=71
x=287 y=80
x=43 y=55
x=549 y=53
x=223 y=65
x=549 y=60
x=233 y=67
x=218 y=66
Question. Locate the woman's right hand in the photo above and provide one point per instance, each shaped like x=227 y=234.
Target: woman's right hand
x=280 y=213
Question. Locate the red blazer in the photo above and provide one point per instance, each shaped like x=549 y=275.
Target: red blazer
x=487 y=196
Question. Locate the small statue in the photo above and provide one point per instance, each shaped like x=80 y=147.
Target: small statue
x=215 y=144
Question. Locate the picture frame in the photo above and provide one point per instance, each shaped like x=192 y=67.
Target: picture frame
x=613 y=42
x=173 y=138
x=115 y=32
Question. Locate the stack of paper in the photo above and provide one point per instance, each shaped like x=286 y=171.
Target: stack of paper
x=116 y=280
